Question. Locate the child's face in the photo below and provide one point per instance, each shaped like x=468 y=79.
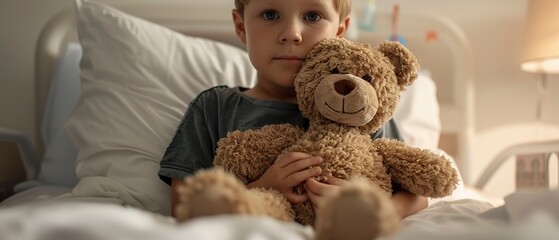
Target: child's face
x=279 y=33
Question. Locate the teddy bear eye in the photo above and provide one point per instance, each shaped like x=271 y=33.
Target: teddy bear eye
x=367 y=78
x=335 y=71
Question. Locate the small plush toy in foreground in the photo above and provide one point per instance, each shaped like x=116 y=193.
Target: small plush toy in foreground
x=347 y=91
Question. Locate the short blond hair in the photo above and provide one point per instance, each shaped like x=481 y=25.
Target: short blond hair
x=342 y=6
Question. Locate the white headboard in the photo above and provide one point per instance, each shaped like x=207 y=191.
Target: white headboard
x=447 y=56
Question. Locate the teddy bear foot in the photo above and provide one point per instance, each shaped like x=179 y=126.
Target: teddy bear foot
x=209 y=193
x=358 y=211
x=213 y=200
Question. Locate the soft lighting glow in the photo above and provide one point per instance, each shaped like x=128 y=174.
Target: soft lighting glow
x=541 y=37
x=550 y=66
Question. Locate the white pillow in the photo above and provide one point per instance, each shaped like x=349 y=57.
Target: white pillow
x=137 y=79
x=417 y=114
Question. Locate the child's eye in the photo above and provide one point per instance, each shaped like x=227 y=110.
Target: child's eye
x=270 y=15
x=367 y=78
x=313 y=17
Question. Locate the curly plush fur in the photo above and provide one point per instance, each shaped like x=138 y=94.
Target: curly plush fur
x=347 y=91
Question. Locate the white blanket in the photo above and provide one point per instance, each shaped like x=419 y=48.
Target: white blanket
x=524 y=216
x=79 y=220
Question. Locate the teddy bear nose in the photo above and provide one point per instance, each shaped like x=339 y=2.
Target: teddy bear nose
x=344 y=87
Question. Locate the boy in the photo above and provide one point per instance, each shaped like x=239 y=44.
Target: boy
x=278 y=34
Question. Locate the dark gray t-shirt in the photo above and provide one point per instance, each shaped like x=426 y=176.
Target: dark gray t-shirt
x=219 y=110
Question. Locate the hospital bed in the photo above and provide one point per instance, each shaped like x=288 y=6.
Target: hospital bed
x=100 y=139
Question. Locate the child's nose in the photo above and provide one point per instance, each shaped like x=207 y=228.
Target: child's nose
x=291 y=33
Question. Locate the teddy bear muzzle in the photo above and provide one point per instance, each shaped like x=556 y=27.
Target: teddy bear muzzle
x=346 y=99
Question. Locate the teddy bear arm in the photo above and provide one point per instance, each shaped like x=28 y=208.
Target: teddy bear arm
x=417 y=170
x=248 y=154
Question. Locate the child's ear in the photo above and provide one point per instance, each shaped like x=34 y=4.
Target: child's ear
x=239 y=23
x=342 y=28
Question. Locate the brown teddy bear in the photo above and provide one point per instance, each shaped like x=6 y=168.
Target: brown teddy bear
x=347 y=90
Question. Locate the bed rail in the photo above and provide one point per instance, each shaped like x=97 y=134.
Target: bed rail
x=544 y=147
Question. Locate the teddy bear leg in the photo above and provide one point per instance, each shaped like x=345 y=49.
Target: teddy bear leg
x=215 y=191
x=210 y=192
x=358 y=211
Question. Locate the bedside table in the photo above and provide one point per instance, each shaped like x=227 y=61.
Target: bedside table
x=12 y=170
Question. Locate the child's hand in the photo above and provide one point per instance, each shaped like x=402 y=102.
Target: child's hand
x=316 y=190
x=289 y=170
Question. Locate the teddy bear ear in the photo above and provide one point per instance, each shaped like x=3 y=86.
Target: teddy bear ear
x=404 y=62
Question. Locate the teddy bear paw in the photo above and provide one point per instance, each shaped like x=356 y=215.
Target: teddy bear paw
x=208 y=193
x=357 y=211
x=210 y=201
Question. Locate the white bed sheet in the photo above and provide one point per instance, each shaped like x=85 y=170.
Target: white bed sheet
x=523 y=216
x=79 y=220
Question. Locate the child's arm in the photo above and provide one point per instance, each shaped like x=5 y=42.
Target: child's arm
x=407 y=203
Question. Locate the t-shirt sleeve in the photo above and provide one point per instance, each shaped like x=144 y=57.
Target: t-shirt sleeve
x=389 y=130
x=191 y=148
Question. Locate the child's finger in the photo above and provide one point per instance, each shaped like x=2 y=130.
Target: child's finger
x=313 y=186
x=302 y=164
x=319 y=188
x=300 y=176
x=336 y=181
x=296 y=198
x=313 y=197
x=290 y=157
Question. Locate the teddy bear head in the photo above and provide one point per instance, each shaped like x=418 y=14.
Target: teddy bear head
x=354 y=84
